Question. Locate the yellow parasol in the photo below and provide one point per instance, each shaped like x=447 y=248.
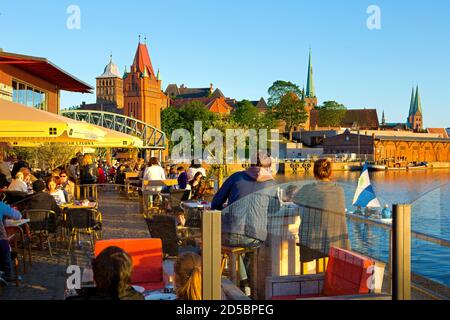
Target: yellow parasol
x=111 y=139
x=19 y=123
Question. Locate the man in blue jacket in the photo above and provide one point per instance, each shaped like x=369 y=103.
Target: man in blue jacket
x=244 y=219
x=5 y=249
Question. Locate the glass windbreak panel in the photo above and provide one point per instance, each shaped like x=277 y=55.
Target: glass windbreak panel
x=305 y=228
x=431 y=240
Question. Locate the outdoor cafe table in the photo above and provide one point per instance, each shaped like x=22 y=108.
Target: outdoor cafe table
x=79 y=205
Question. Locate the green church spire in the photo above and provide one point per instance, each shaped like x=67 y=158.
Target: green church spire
x=417 y=103
x=310 y=91
x=411 y=104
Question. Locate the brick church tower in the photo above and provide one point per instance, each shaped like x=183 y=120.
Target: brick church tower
x=143 y=98
x=110 y=86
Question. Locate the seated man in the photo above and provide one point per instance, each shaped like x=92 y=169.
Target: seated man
x=112 y=270
x=244 y=220
x=43 y=201
x=5 y=249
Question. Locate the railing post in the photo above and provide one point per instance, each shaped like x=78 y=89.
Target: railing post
x=211 y=255
x=401 y=252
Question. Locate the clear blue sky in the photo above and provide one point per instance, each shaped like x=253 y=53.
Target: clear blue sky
x=243 y=46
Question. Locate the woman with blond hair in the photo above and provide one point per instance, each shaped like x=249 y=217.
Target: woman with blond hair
x=188 y=276
x=18 y=184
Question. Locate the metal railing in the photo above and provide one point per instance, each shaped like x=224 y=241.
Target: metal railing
x=152 y=137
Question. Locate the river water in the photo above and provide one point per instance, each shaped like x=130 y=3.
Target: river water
x=429 y=193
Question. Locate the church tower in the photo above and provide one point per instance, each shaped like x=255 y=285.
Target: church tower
x=415 y=118
x=110 y=86
x=143 y=98
x=309 y=96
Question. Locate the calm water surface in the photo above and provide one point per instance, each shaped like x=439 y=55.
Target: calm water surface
x=429 y=193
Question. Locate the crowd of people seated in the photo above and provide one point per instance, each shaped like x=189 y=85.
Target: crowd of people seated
x=243 y=224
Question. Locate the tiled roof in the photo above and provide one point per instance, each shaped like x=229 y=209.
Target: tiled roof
x=142 y=60
x=366 y=119
x=440 y=131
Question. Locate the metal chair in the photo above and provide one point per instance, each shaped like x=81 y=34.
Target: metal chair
x=164 y=227
x=176 y=198
x=13 y=197
x=43 y=223
x=82 y=221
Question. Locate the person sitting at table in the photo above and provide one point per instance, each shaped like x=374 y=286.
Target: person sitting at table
x=188 y=276
x=154 y=172
x=41 y=200
x=21 y=163
x=195 y=167
x=56 y=193
x=112 y=270
x=18 y=184
x=5 y=249
x=198 y=186
x=182 y=178
x=66 y=185
x=244 y=219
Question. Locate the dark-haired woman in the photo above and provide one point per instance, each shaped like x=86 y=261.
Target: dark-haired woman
x=112 y=270
x=195 y=167
x=323 y=219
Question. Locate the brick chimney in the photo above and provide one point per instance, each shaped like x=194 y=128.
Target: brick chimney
x=211 y=88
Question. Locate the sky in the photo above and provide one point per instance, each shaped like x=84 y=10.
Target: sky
x=243 y=46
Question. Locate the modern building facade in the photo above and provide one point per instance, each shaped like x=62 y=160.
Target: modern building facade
x=35 y=82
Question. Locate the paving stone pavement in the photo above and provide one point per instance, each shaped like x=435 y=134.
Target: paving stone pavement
x=46 y=279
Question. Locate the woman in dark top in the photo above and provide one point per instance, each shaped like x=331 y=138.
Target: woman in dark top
x=198 y=186
x=112 y=270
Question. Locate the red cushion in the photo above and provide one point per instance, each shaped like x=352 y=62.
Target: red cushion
x=146 y=255
x=347 y=273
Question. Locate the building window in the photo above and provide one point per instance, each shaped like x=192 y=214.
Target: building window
x=29 y=95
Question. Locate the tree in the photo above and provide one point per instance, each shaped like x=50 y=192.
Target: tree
x=249 y=117
x=196 y=111
x=331 y=114
x=170 y=120
x=279 y=89
x=246 y=114
x=291 y=110
x=49 y=156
